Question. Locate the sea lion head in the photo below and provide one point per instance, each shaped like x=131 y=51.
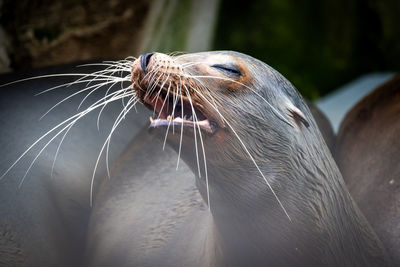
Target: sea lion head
x=232 y=103
x=244 y=126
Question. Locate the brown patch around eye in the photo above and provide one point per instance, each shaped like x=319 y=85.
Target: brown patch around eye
x=244 y=79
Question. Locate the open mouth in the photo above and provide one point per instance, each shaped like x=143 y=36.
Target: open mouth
x=175 y=110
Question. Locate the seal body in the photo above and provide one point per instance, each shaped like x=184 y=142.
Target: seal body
x=275 y=195
x=367 y=153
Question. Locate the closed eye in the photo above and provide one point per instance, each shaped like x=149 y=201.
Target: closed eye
x=228 y=69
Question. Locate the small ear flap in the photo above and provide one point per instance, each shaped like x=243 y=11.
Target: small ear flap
x=298 y=116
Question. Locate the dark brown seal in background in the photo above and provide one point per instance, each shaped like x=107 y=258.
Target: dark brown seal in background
x=368 y=154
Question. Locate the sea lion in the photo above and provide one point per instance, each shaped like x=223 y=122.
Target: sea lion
x=43 y=222
x=50 y=214
x=274 y=193
x=367 y=153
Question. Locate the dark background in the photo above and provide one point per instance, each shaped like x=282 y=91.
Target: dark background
x=318 y=45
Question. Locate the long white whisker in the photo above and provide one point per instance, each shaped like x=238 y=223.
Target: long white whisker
x=48 y=76
x=151 y=73
x=132 y=101
x=175 y=53
x=66 y=132
x=58 y=148
x=151 y=89
x=120 y=66
x=44 y=147
x=97 y=86
x=231 y=80
x=172 y=116
x=194 y=131
x=68 y=127
x=65 y=85
x=116 y=123
x=153 y=84
x=181 y=137
x=167 y=95
x=247 y=152
x=123 y=91
x=202 y=86
x=70 y=96
x=159 y=92
x=76 y=116
x=204 y=159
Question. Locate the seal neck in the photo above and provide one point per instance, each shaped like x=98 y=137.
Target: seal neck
x=325 y=225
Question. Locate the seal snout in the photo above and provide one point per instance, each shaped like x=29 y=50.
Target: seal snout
x=162 y=84
x=144 y=60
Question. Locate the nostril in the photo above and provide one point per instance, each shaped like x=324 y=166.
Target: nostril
x=144 y=60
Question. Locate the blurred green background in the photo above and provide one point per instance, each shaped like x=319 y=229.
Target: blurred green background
x=318 y=45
